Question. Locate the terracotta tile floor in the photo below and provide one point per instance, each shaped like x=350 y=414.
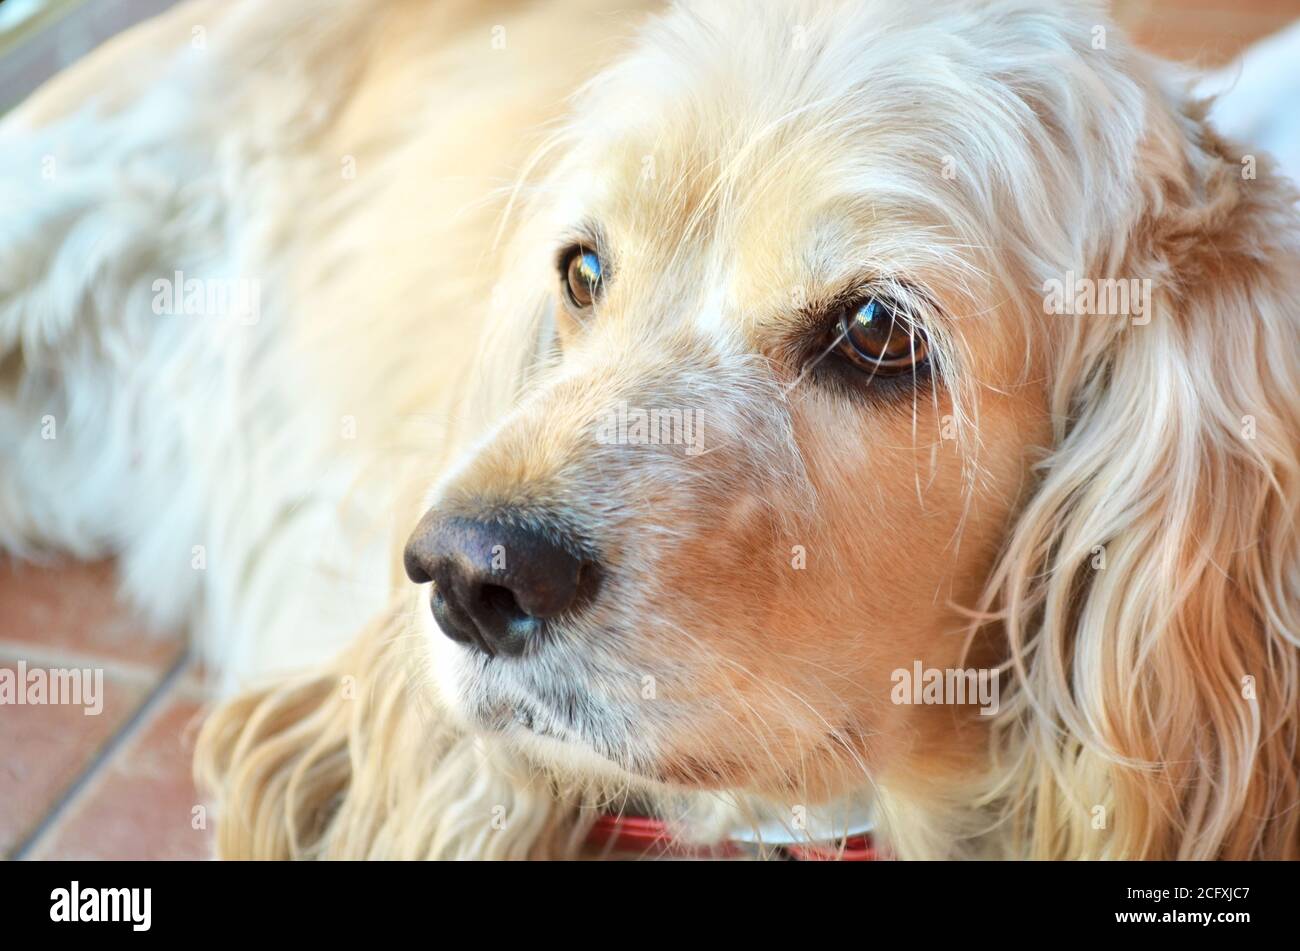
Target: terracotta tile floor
x=142 y=803
x=117 y=785
x=76 y=783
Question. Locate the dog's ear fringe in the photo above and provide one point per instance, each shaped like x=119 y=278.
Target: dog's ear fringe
x=349 y=762
x=1150 y=591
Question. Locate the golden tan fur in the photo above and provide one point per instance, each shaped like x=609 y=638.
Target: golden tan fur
x=1149 y=706
x=1130 y=727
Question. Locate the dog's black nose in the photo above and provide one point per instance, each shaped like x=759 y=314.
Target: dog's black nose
x=494 y=584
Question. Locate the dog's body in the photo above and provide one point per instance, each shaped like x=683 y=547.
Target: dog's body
x=257 y=472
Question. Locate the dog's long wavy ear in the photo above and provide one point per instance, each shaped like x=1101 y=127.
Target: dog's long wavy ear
x=1150 y=591
x=353 y=761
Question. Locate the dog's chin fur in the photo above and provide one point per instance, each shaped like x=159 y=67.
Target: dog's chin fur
x=1148 y=710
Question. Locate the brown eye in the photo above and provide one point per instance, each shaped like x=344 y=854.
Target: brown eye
x=875 y=336
x=583 y=277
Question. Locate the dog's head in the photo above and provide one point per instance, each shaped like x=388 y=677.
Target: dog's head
x=846 y=346
x=784 y=403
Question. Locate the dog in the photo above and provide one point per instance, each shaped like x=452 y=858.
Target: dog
x=782 y=415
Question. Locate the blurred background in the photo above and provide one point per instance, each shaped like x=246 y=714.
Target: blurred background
x=40 y=37
x=117 y=785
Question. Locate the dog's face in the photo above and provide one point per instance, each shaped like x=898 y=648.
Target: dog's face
x=786 y=408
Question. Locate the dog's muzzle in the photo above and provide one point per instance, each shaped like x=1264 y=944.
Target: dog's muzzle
x=497 y=583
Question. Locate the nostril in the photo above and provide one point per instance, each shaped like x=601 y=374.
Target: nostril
x=501 y=600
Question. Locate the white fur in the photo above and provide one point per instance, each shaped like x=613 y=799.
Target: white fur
x=1256 y=98
x=182 y=432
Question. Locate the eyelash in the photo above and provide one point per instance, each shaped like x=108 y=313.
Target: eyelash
x=837 y=375
x=827 y=368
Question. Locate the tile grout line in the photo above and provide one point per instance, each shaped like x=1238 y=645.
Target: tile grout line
x=131 y=671
x=133 y=727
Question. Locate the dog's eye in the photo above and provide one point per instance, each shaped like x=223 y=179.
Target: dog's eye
x=874 y=335
x=583 y=277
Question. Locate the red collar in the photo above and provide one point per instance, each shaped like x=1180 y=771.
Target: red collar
x=644 y=835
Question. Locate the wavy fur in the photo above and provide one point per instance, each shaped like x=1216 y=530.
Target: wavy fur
x=1128 y=546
